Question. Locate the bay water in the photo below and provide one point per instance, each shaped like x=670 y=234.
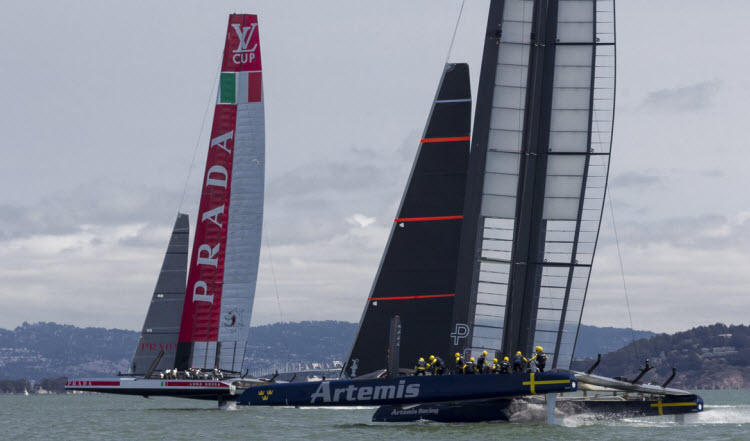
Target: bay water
x=110 y=417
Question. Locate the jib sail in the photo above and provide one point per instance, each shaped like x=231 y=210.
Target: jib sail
x=162 y=325
x=224 y=261
x=416 y=278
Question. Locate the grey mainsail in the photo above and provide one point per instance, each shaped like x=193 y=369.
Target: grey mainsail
x=162 y=325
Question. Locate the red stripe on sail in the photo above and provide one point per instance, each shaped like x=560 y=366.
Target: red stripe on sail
x=423 y=219
x=254 y=87
x=428 y=296
x=450 y=139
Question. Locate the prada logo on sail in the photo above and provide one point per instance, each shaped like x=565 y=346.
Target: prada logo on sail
x=208 y=254
x=363 y=393
x=244 y=53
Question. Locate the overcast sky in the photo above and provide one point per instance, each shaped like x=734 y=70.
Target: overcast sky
x=102 y=102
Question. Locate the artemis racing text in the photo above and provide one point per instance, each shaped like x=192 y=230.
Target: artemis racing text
x=363 y=393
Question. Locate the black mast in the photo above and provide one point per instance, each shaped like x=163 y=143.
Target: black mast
x=528 y=251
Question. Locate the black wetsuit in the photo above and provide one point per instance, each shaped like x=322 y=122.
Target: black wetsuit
x=420 y=368
x=541 y=361
x=519 y=364
x=459 y=365
x=504 y=367
x=481 y=364
x=469 y=368
x=438 y=366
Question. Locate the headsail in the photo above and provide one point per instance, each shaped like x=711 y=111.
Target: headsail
x=224 y=262
x=538 y=173
x=162 y=324
x=416 y=278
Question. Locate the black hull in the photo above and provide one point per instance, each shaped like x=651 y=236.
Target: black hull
x=511 y=409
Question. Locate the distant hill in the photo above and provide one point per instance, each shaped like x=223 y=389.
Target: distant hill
x=48 y=350
x=593 y=340
x=706 y=357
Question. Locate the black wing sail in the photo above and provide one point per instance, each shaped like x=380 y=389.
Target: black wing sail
x=417 y=275
x=162 y=325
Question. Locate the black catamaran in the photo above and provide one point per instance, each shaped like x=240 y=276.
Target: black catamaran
x=492 y=249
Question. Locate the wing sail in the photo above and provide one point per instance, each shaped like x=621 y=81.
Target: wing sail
x=224 y=261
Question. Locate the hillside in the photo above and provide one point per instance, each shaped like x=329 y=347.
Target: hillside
x=706 y=357
x=47 y=350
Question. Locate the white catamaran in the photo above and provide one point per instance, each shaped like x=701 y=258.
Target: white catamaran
x=194 y=336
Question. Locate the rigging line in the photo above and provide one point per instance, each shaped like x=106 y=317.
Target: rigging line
x=200 y=134
x=622 y=273
x=278 y=300
x=455 y=29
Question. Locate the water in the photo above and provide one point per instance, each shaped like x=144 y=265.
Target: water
x=109 y=417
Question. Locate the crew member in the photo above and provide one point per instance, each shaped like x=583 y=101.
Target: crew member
x=519 y=362
x=482 y=363
x=495 y=368
x=540 y=358
x=469 y=367
x=421 y=367
x=437 y=364
x=505 y=366
x=459 y=364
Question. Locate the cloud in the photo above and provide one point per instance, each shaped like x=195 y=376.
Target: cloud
x=683 y=99
x=361 y=220
x=636 y=178
x=680 y=272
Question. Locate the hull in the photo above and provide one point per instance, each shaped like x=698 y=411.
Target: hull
x=199 y=389
x=407 y=390
x=524 y=409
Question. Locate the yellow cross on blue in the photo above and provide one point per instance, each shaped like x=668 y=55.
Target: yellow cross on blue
x=532 y=383
x=660 y=405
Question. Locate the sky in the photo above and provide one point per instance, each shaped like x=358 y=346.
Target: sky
x=102 y=112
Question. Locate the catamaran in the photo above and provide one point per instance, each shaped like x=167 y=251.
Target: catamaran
x=193 y=339
x=494 y=240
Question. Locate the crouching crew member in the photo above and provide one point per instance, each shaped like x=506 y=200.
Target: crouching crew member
x=540 y=358
x=459 y=364
x=495 y=368
x=437 y=364
x=469 y=368
x=519 y=362
x=505 y=366
x=421 y=367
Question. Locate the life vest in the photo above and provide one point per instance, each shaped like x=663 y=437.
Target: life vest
x=504 y=367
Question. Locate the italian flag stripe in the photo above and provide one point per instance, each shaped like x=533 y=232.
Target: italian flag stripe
x=227 y=88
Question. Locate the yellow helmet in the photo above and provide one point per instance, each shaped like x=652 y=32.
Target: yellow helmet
x=505 y=358
x=421 y=359
x=432 y=357
x=539 y=349
x=484 y=352
x=471 y=359
x=457 y=355
x=494 y=360
x=518 y=353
